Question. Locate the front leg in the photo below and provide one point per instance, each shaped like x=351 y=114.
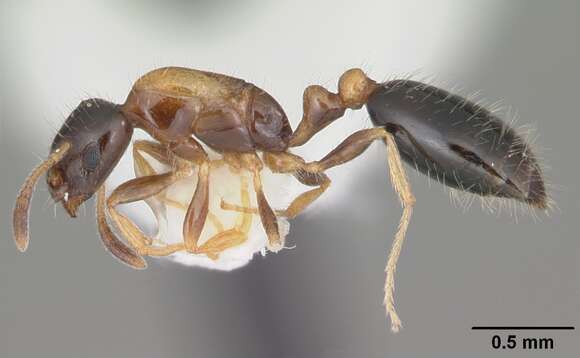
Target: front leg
x=115 y=246
x=143 y=168
x=139 y=189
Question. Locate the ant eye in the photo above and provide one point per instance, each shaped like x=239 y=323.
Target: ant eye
x=91 y=157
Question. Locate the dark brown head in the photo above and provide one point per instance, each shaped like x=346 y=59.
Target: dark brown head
x=98 y=134
x=83 y=154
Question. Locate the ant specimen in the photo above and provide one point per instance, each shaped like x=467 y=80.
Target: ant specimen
x=442 y=135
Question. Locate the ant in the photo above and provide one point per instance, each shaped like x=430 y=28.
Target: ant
x=445 y=136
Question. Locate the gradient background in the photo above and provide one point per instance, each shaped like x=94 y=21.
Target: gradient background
x=67 y=297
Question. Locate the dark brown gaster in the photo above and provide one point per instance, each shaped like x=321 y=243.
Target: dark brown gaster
x=457 y=142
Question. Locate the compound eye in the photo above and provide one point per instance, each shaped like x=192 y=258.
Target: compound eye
x=91 y=157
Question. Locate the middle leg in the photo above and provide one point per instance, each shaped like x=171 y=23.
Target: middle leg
x=226 y=239
x=252 y=163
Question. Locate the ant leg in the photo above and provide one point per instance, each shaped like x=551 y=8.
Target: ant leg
x=253 y=163
x=158 y=151
x=198 y=209
x=311 y=173
x=115 y=246
x=215 y=221
x=269 y=221
x=350 y=148
x=285 y=162
x=161 y=154
x=224 y=239
x=233 y=237
x=244 y=222
x=300 y=203
x=403 y=189
x=322 y=107
x=139 y=189
x=290 y=163
x=143 y=168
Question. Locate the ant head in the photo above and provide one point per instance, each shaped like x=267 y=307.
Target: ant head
x=97 y=134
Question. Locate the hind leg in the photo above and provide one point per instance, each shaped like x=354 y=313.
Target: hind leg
x=350 y=148
x=407 y=199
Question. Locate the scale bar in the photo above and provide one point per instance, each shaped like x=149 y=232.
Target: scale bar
x=522 y=328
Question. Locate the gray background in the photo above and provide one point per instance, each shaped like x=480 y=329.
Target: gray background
x=67 y=297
